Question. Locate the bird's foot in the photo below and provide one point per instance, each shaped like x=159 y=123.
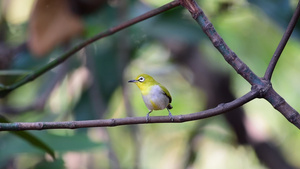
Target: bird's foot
x=171 y=116
x=147 y=118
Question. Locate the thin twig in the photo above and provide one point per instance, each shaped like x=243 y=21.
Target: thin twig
x=222 y=108
x=4 y=90
x=282 y=43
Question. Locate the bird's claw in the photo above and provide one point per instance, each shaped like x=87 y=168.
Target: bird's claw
x=172 y=118
x=147 y=118
x=170 y=115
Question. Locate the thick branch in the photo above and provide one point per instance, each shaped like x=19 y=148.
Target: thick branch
x=241 y=68
x=4 y=90
x=264 y=86
x=282 y=106
x=222 y=108
x=282 y=43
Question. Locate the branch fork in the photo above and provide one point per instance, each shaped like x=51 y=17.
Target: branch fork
x=191 y=6
x=262 y=88
x=263 y=85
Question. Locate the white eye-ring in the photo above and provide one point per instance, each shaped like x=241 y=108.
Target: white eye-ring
x=141 y=79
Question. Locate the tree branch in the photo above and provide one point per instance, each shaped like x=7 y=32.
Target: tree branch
x=208 y=28
x=4 y=90
x=261 y=88
x=263 y=85
x=283 y=107
x=222 y=108
x=282 y=43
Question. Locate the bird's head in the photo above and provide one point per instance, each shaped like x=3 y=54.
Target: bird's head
x=143 y=81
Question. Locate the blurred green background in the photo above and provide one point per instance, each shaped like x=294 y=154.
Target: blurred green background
x=171 y=47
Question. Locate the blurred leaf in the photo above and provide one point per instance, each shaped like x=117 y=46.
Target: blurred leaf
x=57 y=164
x=11 y=146
x=83 y=109
x=272 y=8
x=77 y=142
x=279 y=11
x=174 y=26
x=25 y=61
x=107 y=70
x=30 y=139
x=14 y=72
x=104 y=65
x=52 y=23
x=100 y=21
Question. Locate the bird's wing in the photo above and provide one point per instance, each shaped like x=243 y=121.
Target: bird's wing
x=166 y=92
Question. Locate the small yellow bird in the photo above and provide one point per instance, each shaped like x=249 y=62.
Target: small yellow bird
x=155 y=96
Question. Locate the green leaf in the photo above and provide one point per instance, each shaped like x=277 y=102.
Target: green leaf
x=30 y=139
x=172 y=25
x=57 y=164
x=14 y=72
x=271 y=8
x=10 y=146
x=76 y=142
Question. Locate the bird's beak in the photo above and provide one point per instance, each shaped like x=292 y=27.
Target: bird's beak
x=132 y=81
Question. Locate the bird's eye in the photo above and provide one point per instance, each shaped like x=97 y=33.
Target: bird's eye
x=141 y=79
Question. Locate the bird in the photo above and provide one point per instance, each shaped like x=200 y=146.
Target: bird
x=155 y=95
